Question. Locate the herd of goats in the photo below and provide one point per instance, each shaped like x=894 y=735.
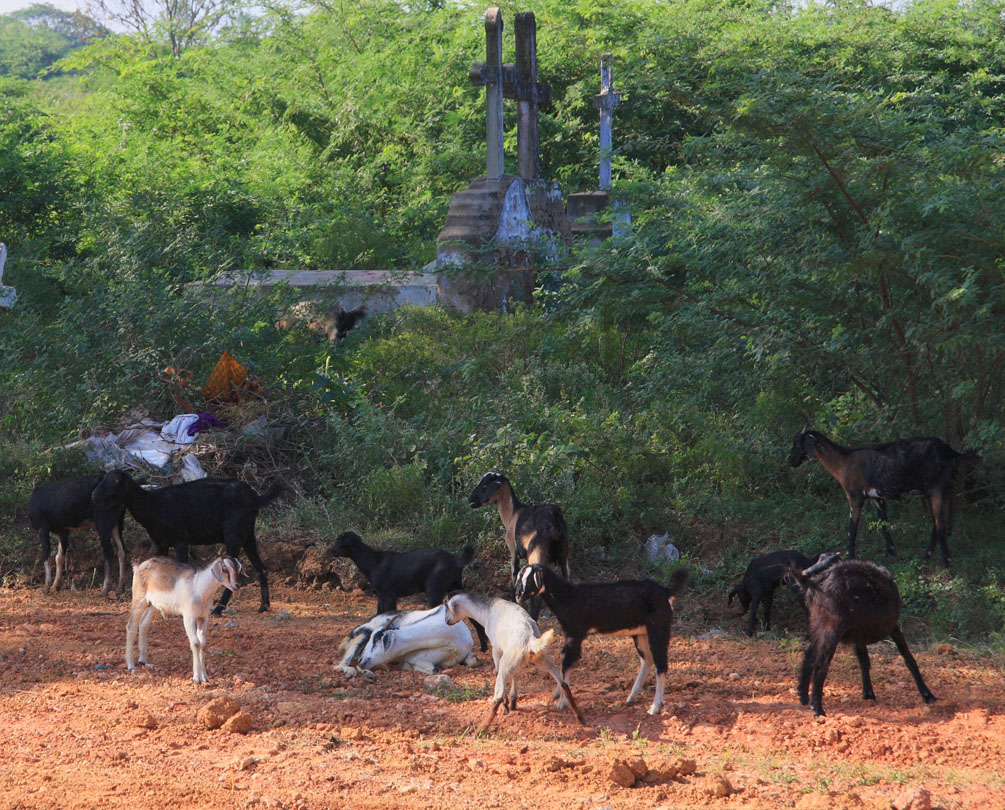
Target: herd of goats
x=846 y=601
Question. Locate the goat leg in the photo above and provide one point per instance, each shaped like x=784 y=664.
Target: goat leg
x=61 y=545
x=217 y=612
x=863 y=664
x=755 y=598
x=251 y=549
x=572 y=702
x=898 y=638
x=43 y=539
x=820 y=668
x=805 y=671
x=120 y=549
x=855 y=508
x=487 y=720
x=881 y=511
x=767 y=600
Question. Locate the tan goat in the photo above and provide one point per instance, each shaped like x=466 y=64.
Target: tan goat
x=176 y=589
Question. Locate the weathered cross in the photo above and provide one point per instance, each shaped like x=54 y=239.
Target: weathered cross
x=518 y=82
x=605 y=101
x=489 y=73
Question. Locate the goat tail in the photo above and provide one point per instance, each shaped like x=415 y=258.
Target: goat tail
x=273 y=492
x=540 y=644
x=467 y=555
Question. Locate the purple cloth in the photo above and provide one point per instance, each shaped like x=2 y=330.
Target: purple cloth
x=206 y=421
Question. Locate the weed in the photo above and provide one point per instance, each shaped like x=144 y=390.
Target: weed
x=459 y=694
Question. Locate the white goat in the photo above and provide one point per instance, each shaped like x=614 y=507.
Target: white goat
x=175 y=589
x=418 y=640
x=516 y=641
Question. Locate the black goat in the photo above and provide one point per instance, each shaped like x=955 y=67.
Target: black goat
x=849 y=602
x=922 y=466
x=534 y=531
x=196 y=513
x=640 y=608
x=65 y=506
x=345 y=321
x=762 y=576
x=393 y=574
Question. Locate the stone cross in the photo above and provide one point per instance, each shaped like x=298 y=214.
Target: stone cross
x=528 y=92
x=518 y=82
x=490 y=73
x=605 y=101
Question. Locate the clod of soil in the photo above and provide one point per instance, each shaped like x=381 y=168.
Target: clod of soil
x=215 y=713
x=717 y=786
x=913 y=799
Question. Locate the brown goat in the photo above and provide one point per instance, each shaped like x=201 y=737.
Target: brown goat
x=535 y=531
x=923 y=466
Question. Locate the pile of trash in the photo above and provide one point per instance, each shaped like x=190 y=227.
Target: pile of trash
x=160 y=448
x=232 y=437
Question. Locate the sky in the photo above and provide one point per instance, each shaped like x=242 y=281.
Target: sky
x=6 y=6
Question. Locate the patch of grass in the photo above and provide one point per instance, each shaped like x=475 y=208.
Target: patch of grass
x=459 y=694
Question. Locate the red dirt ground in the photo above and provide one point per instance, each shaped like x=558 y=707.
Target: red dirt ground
x=78 y=731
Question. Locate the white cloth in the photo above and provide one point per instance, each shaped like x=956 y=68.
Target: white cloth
x=177 y=429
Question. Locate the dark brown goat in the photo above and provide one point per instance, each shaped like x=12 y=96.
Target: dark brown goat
x=849 y=602
x=923 y=466
x=534 y=531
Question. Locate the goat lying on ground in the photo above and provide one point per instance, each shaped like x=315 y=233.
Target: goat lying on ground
x=762 y=576
x=849 y=602
x=66 y=506
x=640 y=608
x=411 y=640
x=536 y=532
x=393 y=574
x=922 y=466
x=516 y=641
x=196 y=513
x=174 y=589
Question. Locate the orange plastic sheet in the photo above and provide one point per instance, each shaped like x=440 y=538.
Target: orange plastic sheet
x=230 y=382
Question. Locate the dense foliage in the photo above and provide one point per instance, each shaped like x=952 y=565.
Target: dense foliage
x=818 y=237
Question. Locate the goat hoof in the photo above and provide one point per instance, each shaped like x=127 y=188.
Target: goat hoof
x=930 y=699
x=263 y=609
x=869 y=696
x=217 y=612
x=654 y=710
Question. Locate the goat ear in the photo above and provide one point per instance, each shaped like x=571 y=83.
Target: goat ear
x=216 y=569
x=538 y=580
x=386 y=640
x=809 y=444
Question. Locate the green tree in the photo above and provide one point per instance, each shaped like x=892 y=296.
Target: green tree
x=34 y=38
x=841 y=216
